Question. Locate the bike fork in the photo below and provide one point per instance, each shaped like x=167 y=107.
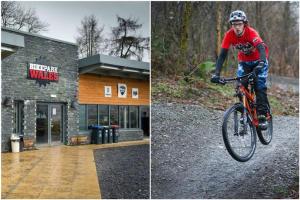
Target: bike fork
x=244 y=114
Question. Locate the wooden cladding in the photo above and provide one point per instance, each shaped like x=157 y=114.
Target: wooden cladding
x=91 y=90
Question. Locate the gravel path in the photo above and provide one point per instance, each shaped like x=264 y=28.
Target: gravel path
x=123 y=172
x=189 y=159
x=285 y=83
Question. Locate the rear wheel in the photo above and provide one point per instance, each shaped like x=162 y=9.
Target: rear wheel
x=239 y=133
x=265 y=136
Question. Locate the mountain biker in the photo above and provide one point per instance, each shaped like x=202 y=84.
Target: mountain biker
x=252 y=55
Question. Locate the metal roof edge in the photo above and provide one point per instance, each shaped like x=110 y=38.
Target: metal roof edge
x=117 y=61
x=11 y=39
x=113 y=61
x=36 y=35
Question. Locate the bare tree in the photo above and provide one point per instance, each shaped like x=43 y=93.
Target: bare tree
x=218 y=28
x=8 y=9
x=13 y=15
x=90 y=39
x=185 y=26
x=124 y=41
x=208 y=22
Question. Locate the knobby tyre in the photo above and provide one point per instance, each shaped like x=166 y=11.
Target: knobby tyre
x=265 y=136
x=239 y=134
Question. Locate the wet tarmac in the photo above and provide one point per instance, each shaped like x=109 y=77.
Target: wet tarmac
x=57 y=172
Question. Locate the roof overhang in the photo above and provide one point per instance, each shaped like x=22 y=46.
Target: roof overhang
x=10 y=42
x=114 y=66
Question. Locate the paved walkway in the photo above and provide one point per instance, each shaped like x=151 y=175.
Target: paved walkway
x=53 y=172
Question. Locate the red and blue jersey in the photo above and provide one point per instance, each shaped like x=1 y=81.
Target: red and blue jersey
x=245 y=44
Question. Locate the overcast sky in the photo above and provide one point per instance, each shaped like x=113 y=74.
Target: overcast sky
x=65 y=17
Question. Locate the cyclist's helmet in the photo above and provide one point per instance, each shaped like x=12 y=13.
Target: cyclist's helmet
x=238 y=15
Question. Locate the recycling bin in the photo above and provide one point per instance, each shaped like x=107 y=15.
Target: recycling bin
x=15 y=143
x=115 y=130
x=93 y=134
x=99 y=136
x=104 y=135
x=96 y=136
x=110 y=134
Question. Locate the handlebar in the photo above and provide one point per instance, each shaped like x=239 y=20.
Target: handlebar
x=223 y=81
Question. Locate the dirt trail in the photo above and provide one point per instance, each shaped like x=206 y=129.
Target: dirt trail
x=189 y=159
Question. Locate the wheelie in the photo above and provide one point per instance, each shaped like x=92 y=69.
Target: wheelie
x=252 y=115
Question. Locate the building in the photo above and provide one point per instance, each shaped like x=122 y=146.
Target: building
x=50 y=96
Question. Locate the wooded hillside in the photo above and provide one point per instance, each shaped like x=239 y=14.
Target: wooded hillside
x=185 y=34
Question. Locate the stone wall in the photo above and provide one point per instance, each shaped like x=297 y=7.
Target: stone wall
x=17 y=86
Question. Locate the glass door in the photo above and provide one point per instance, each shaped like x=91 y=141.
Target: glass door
x=42 y=124
x=49 y=123
x=56 y=123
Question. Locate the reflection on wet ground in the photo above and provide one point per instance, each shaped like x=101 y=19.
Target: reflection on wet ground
x=53 y=172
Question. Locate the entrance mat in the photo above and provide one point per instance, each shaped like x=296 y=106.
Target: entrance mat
x=123 y=172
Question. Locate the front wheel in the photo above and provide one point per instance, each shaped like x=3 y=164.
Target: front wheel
x=265 y=136
x=239 y=133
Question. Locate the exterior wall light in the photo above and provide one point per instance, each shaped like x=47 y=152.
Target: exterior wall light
x=73 y=104
x=7 y=101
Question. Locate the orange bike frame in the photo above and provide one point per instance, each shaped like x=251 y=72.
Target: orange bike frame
x=246 y=98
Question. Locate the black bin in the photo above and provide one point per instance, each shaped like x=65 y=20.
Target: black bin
x=96 y=137
x=110 y=134
x=115 y=131
x=104 y=135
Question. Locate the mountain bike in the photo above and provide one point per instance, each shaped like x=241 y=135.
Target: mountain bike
x=240 y=122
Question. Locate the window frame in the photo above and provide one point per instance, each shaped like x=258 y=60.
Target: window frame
x=138 y=117
x=87 y=110
x=98 y=113
x=128 y=107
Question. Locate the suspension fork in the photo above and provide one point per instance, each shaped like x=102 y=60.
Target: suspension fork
x=244 y=112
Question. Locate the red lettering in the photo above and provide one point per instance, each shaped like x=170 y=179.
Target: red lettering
x=46 y=75
x=55 y=76
x=33 y=73
x=42 y=75
x=51 y=76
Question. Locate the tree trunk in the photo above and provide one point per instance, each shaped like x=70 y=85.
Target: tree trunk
x=259 y=18
x=187 y=10
x=218 y=28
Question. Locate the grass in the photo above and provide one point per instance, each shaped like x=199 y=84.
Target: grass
x=276 y=104
x=225 y=90
x=175 y=91
x=199 y=91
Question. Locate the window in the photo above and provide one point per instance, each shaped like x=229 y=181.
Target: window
x=82 y=117
x=123 y=116
x=134 y=116
x=103 y=115
x=114 y=115
x=19 y=117
x=92 y=115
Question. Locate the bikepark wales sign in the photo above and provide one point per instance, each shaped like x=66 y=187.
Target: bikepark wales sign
x=42 y=71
